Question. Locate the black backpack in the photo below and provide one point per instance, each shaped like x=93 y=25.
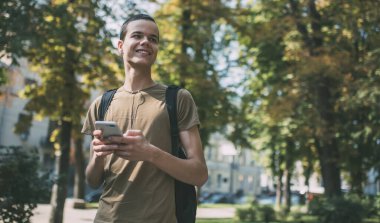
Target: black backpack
x=185 y=195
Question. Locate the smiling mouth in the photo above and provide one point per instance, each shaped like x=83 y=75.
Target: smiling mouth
x=143 y=52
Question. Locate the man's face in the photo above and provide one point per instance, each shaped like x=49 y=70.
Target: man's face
x=140 y=45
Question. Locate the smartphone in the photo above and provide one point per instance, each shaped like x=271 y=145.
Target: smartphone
x=109 y=128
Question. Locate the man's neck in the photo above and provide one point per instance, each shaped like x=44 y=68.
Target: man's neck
x=137 y=79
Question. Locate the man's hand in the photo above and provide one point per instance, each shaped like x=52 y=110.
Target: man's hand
x=102 y=146
x=132 y=146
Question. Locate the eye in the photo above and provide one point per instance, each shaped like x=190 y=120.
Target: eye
x=153 y=39
x=137 y=36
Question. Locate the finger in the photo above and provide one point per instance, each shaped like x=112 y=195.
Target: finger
x=103 y=153
x=122 y=153
x=133 y=139
x=116 y=140
x=105 y=148
x=96 y=142
x=97 y=133
x=133 y=132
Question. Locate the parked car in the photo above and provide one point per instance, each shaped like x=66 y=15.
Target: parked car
x=217 y=198
x=93 y=196
x=204 y=196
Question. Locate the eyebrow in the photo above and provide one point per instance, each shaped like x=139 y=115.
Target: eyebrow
x=151 y=35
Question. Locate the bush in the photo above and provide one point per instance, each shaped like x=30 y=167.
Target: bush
x=338 y=210
x=376 y=205
x=21 y=186
x=256 y=212
x=266 y=213
x=246 y=214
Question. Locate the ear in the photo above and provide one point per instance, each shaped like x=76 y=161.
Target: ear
x=120 y=46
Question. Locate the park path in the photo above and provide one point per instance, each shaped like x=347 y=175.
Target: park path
x=71 y=215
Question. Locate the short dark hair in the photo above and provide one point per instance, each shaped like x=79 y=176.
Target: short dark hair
x=132 y=18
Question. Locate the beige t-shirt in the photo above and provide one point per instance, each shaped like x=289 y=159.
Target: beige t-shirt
x=139 y=191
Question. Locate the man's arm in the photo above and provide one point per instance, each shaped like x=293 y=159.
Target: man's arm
x=95 y=167
x=197 y=168
x=192 y=170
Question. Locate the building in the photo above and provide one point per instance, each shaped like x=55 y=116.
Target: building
x=12 y=109
x=231 y=170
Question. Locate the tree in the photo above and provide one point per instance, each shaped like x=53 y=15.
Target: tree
x=188 y=57
x=18 y=18
x=306 y=73
x=72 y=53
x=17 y=21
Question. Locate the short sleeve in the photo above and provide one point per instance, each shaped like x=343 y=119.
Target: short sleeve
x=92 y=115
x=187 y=113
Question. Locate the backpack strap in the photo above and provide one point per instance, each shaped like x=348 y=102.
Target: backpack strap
x=171 y=105
x=185 y=195
x=105 y=103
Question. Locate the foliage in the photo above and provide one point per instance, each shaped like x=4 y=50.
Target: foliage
x=3 y=78
x=16 y=30
x=313 y=85
x=374 y=206
x=72 y=53
x=79 y=41
x=266 y=213
x=21 y=185
x=377 y=204
x=338 y=209
x=256 y=212
x=246 y=214
x=17 y=22
x=189 y=56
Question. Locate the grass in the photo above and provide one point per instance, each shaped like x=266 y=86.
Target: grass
x=223 y=205
x=237 y=221
x=372 y=220
x=296 y=215
x=92 y=205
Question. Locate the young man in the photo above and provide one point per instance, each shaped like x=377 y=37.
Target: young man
x=137 y=170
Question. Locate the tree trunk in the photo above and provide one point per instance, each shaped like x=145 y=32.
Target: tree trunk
x=279 y=190
x=356 y=174
x=185 y=26
x=59 y=191
x=326 y=142
x=287 y=192
x=308 y=169
x=79 y=184
x=328 y=158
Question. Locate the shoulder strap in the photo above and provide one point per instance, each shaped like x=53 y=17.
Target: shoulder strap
x=105 y=103
x=171 y=105
x=185 y=195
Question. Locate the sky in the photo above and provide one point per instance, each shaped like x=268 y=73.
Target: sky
x=236 y=74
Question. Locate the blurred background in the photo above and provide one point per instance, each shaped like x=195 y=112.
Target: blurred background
x=288 y=94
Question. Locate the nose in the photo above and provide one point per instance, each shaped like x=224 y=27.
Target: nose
x=144 y=40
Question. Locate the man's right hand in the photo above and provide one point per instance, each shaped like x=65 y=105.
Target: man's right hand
x=101 y=146
x=100 y=149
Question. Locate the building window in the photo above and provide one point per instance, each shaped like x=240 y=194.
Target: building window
x=219 y=180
